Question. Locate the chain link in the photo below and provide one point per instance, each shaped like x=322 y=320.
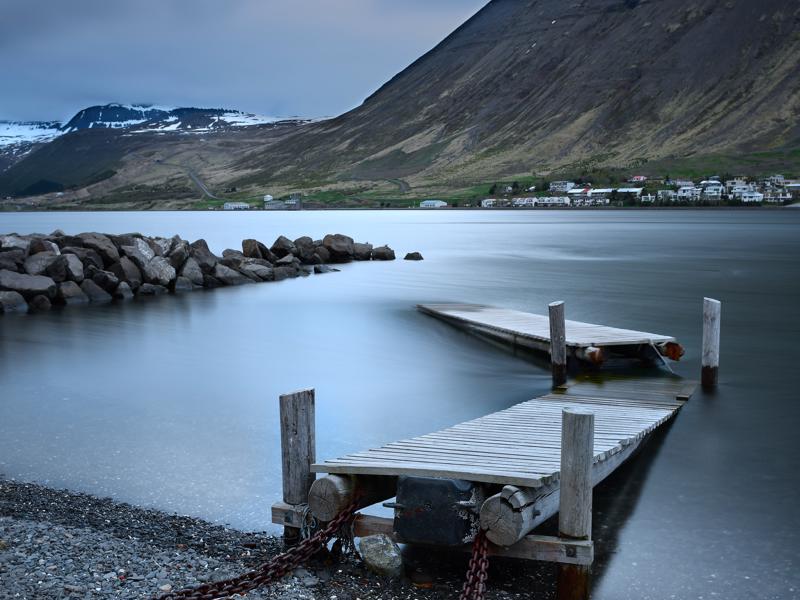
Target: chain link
x=478 y=570
x=271 y=571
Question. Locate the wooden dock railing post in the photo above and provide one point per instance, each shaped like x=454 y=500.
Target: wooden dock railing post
x=558 y=343
x=298 y=451
x=712 y=312
x=575 y=503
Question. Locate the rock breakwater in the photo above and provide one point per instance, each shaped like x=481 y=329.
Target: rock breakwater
x=40 y=271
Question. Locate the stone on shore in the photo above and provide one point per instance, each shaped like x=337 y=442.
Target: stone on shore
x=283 y=246
x=320 y=269
x=322 y=254
x=381 y=555
x=42 y=245
x=40 y=303
x=11 y=302
x=179 y=254
x=94 y=292
x=281 y=273
x=305 y=250
x=74 y=267
x=126 y=270
x=340 y=247
x=27 y=285
x=12 y=260
x=70 y=292
x=260 y=272
x=11 y=242
x=139 y=252
x=362 y=251
x=383 y=253
x=413 y=256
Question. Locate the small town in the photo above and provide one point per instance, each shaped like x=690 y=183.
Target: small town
x=643 y=191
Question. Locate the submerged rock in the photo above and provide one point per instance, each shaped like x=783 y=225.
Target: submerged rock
x=413 y=256
x=70 y=292
x=11 y=302
x=40 y=303
x=94 y=292
x=383 y=253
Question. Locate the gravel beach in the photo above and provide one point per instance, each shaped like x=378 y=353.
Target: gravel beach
x=59 y=544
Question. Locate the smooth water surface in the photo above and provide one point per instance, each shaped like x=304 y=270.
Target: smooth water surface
x=171 y=402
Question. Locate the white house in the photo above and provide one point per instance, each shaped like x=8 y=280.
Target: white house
x=488 y=202
x=667 y=195
x=638 y=179
x=635 y=192
x=268 y=198
x=684 y=183
x=432 y=204
x=689 y=193
x=561 y=186
x=236 y=206
x=752 y=197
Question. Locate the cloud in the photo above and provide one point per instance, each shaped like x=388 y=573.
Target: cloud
x=277 y=57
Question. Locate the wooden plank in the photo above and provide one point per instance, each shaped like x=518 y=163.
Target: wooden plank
x=297 y=449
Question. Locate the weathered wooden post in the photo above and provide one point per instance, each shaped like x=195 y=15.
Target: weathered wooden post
x=558 y=343
x=712 y=311
x=298 y=451
x=575 y=504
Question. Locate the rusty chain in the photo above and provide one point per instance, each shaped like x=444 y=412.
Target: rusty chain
x=271 y=571
x=475 y=585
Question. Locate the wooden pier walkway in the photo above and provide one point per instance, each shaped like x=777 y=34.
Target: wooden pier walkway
x=522 y=445
x=583 y=340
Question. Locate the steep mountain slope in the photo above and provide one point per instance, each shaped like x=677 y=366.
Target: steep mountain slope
x=534 y=84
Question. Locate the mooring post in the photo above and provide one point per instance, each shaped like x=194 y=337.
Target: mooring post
x=575 y=503
x=298 y=451
x=712 y=312
x=558 y=343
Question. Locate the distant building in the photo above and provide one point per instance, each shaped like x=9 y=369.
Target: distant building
x=752 y=197
x=638 y=179
x=561 y=186
x=489 y=203
x=631 y=192
x=268 y=198
x=274 y=205
x=236 y=206
x=667 y=195
x=689 y=193
x=679 y=183
x=433 y=204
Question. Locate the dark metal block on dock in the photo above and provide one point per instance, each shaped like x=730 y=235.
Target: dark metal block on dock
x=437 y=511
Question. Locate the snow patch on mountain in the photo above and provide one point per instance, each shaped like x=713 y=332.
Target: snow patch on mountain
x=13 y=133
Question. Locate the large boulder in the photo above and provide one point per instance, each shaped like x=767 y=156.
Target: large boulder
x=158 y=271
x=322 y=255
x=126 y=270
x=64 y=241
x=413 y=256
x=12 y=259
x=340 y=247
x=74 y=267
x=70 y=292
x=178 y=254
x=283 y=246
x=255 y=249
x=204 y=257
x=94 y=292
x=362 y=251
x=383 y=253
x=191 y=270
x=27 y=285
x=139 y=252
x=86 y=255
x=102 y=245
x=12 y=302
x=150 y=289
x=14 y=242
x=305 y=250
x=182 y=284
x=161 y=246
x=228 y=276
x=281 y=273
x=381 y=555
x=36 y=264
x=257 y=272
x=40 y=303
x=106 y=280
x=123 y=291
x=43 y=245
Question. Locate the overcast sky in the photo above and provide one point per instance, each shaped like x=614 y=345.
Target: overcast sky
x=272 y=57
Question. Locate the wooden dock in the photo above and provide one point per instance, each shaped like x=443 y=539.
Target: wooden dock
x=521 y=445
x=585 y=341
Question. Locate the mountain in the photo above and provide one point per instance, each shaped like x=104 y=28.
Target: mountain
x=17 y=139
x=531 y=86
x=523 y=88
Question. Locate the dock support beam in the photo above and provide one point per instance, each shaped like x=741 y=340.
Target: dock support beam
x=575 y=503
x=558 y=343
x=298 y=451
x=712 y=310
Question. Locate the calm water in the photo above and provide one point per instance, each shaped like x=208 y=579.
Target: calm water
x=172 y=402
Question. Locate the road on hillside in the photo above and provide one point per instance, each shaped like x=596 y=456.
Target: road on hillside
x=194 y=177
